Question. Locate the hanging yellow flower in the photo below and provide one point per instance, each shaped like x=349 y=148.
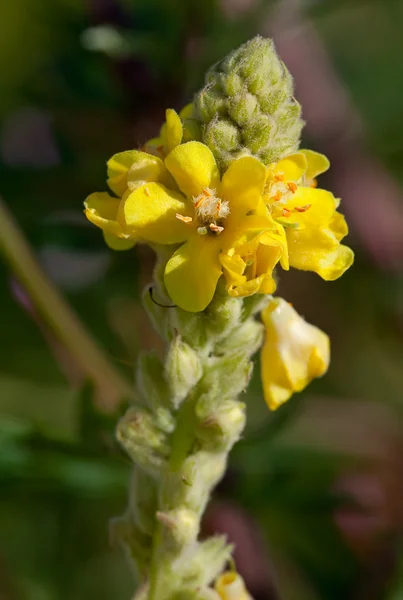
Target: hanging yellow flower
x=231 y=586
x=294 y=353
x=312 y=225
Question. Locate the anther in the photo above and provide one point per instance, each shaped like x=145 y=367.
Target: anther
x=279 y=177
x=303 y=208
x=277 y=196
x=183 y=218
x=160 y=149
x=216 y=228
x=292 y=186
x=286 y=212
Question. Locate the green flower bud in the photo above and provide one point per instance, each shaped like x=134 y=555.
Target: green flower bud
x=195 y=593
x=183 y=370
x=247 y=337
x=221 y=425
x=123 y=530
x=150 y=379
x=146 y=445
x=206 y=560
x=247 y=106
x=181 y=526
x=226 y=376
x=143 y=501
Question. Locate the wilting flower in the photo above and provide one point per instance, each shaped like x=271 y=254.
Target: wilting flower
x=176 y=130
x=294 y=353
x=231 y=586
x=312 y=225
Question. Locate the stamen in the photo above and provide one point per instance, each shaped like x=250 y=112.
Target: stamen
x=160 y=149
x=303 y=208
x=216 y=228
x=279 y=177
x=314 y=183
x=183 y=218
x=277 y=196
x=292 y=186
x=286 y=212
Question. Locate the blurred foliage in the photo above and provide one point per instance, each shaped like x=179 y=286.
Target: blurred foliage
x=80 y=81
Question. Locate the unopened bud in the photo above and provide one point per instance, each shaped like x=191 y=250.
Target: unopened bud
x=181 y=526
x=183 y=370
x=220 y=426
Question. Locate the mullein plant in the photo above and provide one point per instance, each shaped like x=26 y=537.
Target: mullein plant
x=225 y=197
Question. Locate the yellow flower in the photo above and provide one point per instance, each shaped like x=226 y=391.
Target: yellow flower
x=126 y=172
x=207 y=215
x=172 y=133
x=294 y=353
x=231 y=586
x=312 y=225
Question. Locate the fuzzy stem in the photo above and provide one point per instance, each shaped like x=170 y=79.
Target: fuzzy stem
x=112 y=386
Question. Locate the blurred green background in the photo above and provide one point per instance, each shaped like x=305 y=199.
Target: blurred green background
x=314 y=495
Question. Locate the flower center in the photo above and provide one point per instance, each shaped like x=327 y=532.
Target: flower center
x=210 y=212
x=279 y=192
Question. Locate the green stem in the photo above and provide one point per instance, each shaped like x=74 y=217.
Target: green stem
x=181 y=444
x=58 y=314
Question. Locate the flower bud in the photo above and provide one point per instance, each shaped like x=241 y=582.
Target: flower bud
x=293 y=354
x=220 y=425
x=247 y=106
x=143 y=501
x=248 y=337
x=183 y=370
x=226 y=376
x=206 y=560
x=181 y=526
x=146 y=445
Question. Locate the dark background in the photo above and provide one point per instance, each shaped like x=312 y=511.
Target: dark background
x=313 y=497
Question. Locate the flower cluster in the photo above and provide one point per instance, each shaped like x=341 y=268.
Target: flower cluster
x=237 y=225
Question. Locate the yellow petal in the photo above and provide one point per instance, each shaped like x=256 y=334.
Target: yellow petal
x=118 y=243
x=174 y=129
x=293 y=167
x=310 y=207
x=294 y=353
x=150 y=213
x=133 y=168
x=318 y=251
x=317 y=163
x=242 y=184
x=155 y=146
x=102 y=210
x=192 y=273
x=193 y=167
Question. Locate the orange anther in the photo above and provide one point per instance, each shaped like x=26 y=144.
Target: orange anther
x=279 y=177
x=160 y=149
x=303 y=208
x=286 y=212
x=207 y=192
x=216 y=228
x=277 y=196
x=292 y=186
x=183 y=218
x=200 y=201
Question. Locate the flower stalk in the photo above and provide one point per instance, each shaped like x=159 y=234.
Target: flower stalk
x=225 y=197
